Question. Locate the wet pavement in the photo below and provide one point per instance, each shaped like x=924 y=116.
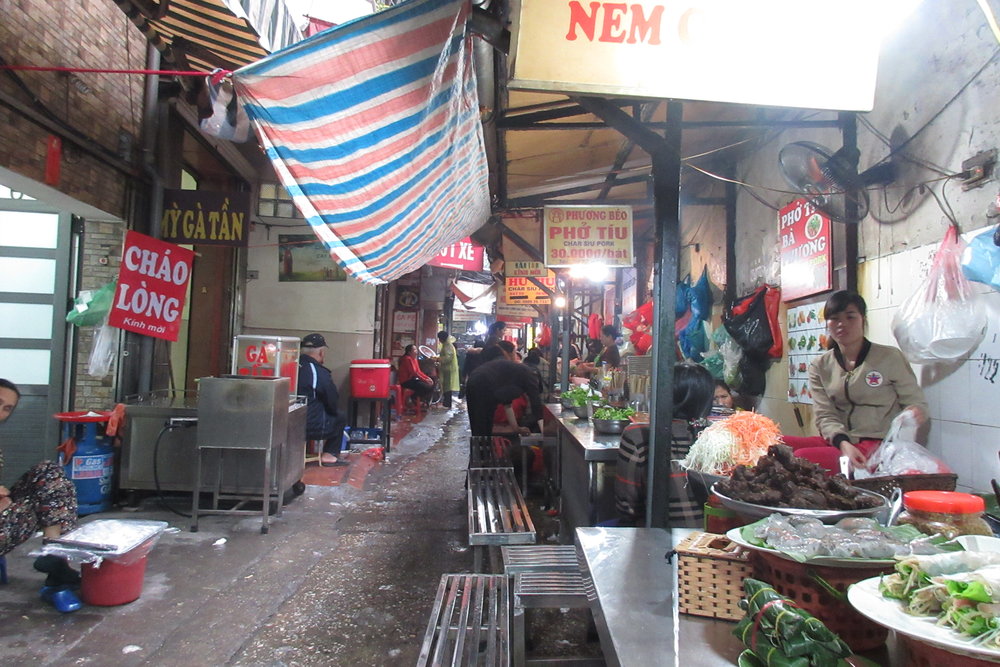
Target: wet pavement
x=346 y=576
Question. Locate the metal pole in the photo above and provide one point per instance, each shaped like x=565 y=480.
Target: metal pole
x=567 y=324
x=666 y=204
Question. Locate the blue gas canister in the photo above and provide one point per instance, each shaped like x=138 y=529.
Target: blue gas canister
x=89 y=461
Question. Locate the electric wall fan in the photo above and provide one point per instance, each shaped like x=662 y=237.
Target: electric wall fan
x=830 y=181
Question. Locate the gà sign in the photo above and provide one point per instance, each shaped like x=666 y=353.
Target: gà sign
x=152 y=285
x=205 y=217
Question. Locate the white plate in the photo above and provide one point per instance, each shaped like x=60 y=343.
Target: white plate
x=736 y=536
x=866 y=598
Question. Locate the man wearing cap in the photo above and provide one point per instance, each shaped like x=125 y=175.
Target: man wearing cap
x=323 y=421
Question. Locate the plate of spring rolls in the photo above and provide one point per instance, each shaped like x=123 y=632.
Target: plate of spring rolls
x=950 y=600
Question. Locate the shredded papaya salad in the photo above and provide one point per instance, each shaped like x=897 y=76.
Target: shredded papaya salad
x=737 y=440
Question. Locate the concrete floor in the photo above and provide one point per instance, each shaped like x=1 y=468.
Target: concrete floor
x=346 y=577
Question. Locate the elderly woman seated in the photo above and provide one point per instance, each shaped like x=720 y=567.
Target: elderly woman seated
x=41 y=499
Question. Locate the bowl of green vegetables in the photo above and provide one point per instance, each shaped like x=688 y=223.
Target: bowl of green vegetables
x=610 y=420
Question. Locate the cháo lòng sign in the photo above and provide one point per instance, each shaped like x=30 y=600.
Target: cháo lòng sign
x=588 y=235
x=806 y=253
x=152 y=286
x=205 y=217
x=715 y=50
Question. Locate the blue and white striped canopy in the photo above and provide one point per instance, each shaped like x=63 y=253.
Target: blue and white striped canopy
x=373 y=127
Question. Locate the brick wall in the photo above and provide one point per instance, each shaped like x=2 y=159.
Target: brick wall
x=71 y=33
x=101 y=241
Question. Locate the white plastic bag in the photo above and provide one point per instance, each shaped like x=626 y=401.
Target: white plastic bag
x=944 y=319
x=900 y=454
x=102 y=354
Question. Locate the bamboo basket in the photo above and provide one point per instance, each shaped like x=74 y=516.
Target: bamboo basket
x=710 y=573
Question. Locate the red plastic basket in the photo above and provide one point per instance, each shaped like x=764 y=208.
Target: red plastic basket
x=821 y=590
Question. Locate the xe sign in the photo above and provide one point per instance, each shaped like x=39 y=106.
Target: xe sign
x=716 y=50
x=463 y=255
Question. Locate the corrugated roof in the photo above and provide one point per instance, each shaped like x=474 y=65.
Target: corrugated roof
x=209 y=34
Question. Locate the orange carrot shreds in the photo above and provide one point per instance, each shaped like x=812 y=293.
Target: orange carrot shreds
x=737 y=440
x=754 y=433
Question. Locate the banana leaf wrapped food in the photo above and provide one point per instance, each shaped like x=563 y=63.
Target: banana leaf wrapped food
x=779 y=634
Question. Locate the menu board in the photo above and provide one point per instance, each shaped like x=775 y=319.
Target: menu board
x=807 y=340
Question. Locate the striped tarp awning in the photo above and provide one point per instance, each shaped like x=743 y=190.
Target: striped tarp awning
x=374 y=129
x=210 y=34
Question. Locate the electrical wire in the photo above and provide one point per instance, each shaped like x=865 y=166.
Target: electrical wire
x=156 y=475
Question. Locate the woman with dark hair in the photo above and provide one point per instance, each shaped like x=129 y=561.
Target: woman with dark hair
x=858 y=387
x=42 y=499
x=693 y=393
x=411 y=377
x=723 y=397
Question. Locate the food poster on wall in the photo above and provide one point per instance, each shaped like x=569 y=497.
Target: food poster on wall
x=806 y=340
x=304 y=258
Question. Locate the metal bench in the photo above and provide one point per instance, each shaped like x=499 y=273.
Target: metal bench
x=498 y=514
x=470 y=622
x=545 y=577
x=489 y=452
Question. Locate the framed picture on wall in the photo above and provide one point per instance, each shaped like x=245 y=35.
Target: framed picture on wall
x=304 y=258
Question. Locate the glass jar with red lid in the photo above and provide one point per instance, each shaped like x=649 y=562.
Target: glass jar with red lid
x=949 y=513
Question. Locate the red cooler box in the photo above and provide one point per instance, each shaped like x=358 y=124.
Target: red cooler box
x=370 y=378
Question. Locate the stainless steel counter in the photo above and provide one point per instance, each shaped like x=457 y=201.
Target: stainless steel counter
x=586 y=471
x=634 y=605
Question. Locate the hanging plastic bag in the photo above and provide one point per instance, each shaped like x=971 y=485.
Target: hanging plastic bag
x=900 y=454
x=752 y=321
x=92 y=306
x=981 y=258
x=102 y=354
x=943 y=320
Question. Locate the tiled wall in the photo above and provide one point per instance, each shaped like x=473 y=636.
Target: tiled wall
x=963 y=397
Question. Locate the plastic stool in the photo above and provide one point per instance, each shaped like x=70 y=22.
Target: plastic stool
x=3 y=569
x=418 y=406
x=400 y=404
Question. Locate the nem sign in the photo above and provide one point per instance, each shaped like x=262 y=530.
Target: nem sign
x=714 y=50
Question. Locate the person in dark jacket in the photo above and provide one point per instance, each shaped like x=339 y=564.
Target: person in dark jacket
x=694 y=389
x=324 y=421
x=499 y=382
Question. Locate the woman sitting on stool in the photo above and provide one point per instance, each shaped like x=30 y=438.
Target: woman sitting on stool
x=42 y=499
x=409 y=376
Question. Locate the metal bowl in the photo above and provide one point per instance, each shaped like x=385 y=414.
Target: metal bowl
x=703 y=481
x=752 y=511
x=610 y=426
x=580 y=411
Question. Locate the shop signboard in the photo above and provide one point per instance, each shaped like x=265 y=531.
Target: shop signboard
x=524 y=291
x=526 y=225
x=152 y=287
x=689 y=50
x=806 y=251
x=205 y=217
x=463 y=255
x=525 y=269
x=588 y=235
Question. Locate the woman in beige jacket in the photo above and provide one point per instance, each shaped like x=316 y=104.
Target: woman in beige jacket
x=858 y=388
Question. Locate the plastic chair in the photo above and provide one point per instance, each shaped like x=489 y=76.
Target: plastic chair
x=400 y=403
